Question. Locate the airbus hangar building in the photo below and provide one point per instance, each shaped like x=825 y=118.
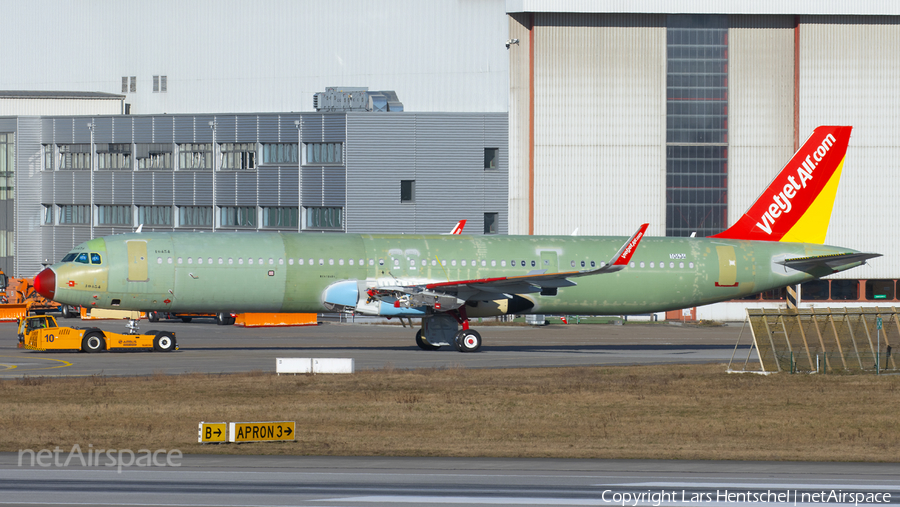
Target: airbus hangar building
x=522 y=116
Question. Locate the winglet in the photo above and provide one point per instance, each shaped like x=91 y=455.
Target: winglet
x=459 y=227
x=797 y=204
x=623 y=256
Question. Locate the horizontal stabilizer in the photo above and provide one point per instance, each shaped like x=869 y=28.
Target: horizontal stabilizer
x=832 y=262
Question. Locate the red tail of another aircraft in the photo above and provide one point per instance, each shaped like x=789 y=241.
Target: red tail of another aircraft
x=796 y=207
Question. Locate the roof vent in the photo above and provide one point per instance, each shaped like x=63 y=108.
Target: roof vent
x=343 y=99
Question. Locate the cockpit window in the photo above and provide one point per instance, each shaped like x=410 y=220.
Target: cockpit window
x=82 y=258
x=95 y=258
x=69 y=257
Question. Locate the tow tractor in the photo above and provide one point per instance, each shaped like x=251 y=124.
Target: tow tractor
x=40 y=332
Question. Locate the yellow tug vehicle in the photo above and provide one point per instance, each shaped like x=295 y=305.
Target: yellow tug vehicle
x=40 y=332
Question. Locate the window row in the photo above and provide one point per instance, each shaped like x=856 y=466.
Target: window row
x=251 y=217
x=188 y=156
x=837 y=290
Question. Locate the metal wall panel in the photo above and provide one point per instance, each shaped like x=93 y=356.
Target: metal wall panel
x=123 y=187
x=163 y=130
x=123 y=130
x=519 y=107
x=269 y=129
x=103 y=128
x=143 y=129
x=143 y=188
x=203 y=189
x=28 y=183
x=311 y=129
x=184 y=128
x=226 y=189
x=63 y=187
x=269 y=191
x=334 y=127
x=163 y=193
x=760 y=105
x=103 y=187
x=184 y=188
x=247 y=188
x=226 y=128
x=311 y=189
x=334 y=186
x=599 y=123
x=202 y=133
x=247 y=129
x=289 y=191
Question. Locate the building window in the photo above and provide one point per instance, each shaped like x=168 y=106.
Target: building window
x=279 y=154
x=47 y=157
x=323 y=153
x=490 y=223
x=195 y=216
x=47 y=215
x=124 y=84
x=159 y=84
x=133 y=84
x=491 y=158
x=237 y=216
x=7 y=166
x=114 y=215
x=696 y=125
x=74 y=156
x=238 y=156
x=323 y=218
x=845 y=290
x=156 y=156
x=407 y=190
x=73 y=214
x=280 y=217
x=816 y=290
x=879 y=289
x=196 y=156
x=155 y=215
x=113 y=156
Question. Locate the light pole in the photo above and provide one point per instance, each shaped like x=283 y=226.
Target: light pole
x=299 y=177
x=212 y=125
x=90 y=127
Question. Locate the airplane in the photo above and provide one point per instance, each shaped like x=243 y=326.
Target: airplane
x=447 y=279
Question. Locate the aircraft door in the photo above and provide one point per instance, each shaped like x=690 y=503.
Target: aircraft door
x=550 y=261
x=137 y=260
x=727 y=266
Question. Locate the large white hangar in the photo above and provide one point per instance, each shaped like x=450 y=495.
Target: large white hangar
x=680 y=113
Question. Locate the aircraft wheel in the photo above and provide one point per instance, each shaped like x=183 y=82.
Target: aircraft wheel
x=93 y=342
x=153 y=316
x=468 y=340
x=423 y=344
x=164 y=342
x=67 y=312
x=186 y=319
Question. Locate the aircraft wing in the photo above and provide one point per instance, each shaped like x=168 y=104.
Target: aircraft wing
x=501 y=287
x=832 y=262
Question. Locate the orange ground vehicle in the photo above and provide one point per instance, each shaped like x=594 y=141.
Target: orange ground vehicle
x=18 y=299
x=40 y=332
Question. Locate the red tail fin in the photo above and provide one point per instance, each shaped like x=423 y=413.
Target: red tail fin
x=797 y=205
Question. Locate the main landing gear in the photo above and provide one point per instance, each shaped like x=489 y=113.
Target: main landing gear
x=440 y=329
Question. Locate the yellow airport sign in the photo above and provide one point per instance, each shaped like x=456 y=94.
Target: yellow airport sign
x=212 y=432
x=270 y=431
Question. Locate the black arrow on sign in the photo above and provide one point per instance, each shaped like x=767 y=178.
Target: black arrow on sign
x=218 y=431
x=288 y=430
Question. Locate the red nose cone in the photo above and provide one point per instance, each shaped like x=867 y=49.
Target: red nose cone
x=45 y=283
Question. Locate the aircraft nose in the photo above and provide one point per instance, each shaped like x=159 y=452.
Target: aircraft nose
x=45 y=283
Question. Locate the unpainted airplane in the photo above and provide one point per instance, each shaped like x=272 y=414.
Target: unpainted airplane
x=447 y=279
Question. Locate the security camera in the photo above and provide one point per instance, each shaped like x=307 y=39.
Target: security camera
x=511 y=41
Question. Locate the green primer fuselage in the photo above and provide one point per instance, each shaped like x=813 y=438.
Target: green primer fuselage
x=289 y=272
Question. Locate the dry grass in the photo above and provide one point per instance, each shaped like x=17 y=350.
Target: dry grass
x=678 y=412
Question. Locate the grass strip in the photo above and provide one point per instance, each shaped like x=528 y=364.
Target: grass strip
x=667 y=412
